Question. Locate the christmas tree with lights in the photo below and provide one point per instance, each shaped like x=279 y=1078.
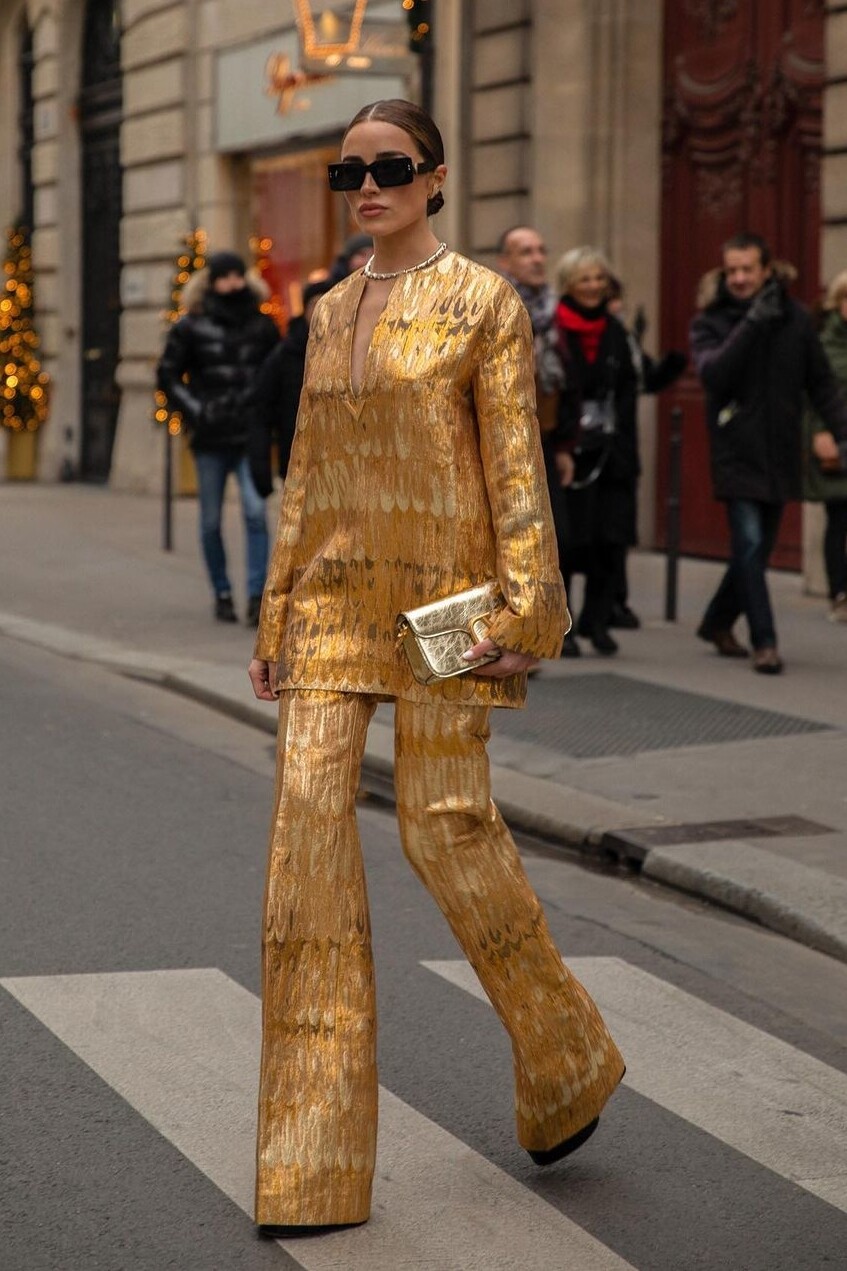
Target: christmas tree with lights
x=23 y=383
x=192 y=256
x=274 y=306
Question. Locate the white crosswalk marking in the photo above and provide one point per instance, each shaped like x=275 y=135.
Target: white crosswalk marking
x=752 y=1091
x=182 y=1047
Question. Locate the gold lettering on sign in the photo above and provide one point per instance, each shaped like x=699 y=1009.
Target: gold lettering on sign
x=285 y=83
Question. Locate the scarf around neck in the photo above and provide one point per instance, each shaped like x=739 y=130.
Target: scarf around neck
x=540 y=304
x=588 y=325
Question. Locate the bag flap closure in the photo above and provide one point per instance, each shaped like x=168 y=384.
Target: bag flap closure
x=455 y=613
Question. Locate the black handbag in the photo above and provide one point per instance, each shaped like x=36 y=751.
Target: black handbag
x=597 y=426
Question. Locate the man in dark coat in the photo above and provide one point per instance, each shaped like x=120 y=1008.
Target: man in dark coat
x=274 y=397
x=210 y=358
x=758 y=356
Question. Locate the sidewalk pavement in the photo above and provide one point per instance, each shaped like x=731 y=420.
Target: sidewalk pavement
x=704 y=776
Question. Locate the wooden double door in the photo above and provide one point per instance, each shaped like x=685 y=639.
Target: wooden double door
x=740 y=151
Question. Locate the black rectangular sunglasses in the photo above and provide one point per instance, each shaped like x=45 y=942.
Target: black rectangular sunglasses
x=397 y=170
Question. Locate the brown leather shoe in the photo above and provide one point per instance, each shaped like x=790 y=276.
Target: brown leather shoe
x=725 y=643
x=767 y=662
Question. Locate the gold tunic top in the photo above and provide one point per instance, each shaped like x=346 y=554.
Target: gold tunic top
x=427 y=481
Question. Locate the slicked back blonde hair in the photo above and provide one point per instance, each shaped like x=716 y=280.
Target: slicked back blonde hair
x=837 y=291
x=579 y=258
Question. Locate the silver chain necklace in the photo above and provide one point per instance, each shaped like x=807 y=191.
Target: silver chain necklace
x=412 y=269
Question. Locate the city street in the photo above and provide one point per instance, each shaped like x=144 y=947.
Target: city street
x=132 y=854
x=318 y=323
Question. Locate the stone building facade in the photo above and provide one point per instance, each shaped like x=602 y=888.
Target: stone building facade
x=152 y=117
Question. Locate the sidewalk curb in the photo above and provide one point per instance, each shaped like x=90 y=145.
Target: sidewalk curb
x=758 y=885
x=804 y=904
x=518 y=801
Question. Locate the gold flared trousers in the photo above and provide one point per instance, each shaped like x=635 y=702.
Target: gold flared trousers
x=318 y=1086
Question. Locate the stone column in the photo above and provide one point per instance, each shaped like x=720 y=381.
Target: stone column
x=55 y=237
x=157 y=107
x=596 y=162
x=449 y=98
x=174 y=181
x=496 y=124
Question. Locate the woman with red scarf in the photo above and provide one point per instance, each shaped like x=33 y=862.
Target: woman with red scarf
x=597 y=425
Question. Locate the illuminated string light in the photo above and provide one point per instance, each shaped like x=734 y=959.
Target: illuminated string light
x=420 y=29
x=273 y=306
x=24 y=385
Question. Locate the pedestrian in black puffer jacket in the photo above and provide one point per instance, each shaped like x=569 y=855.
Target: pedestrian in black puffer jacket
x=274 y=397
x=758 y=356
x=211 y=356
x=219 y=344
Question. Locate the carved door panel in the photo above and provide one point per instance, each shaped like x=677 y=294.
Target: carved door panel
x=102 y=182
x=741 y=150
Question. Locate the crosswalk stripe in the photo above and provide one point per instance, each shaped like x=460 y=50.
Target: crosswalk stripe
x=182 y=1048
x=754 y=1092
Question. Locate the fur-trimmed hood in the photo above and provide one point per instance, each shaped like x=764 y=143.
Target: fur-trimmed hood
x=709 y=286
x=197 y=288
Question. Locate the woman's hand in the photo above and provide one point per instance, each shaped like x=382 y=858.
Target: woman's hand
x=564 y=468
x=825 y=448
x=262 y=677
x=508 y=663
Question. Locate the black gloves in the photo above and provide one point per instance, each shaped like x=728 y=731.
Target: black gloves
x=767 y=306
x=660 y=375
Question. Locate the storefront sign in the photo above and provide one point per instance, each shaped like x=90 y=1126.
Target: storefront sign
x=352 y=38
x=247 y=95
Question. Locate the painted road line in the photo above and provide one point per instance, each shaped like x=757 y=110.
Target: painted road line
x=777 y=1105
x=182 y=1048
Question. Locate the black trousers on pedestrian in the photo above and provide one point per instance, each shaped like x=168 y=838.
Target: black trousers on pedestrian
x=603 y=565
x=835 y=547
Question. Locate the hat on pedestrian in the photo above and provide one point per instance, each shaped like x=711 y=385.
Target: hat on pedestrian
x=313 y=289
x=220 y=264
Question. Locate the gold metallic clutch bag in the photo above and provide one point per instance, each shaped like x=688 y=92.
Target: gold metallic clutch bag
x=436 y=635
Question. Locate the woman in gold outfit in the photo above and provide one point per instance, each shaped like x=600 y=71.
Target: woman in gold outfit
x=416 y=473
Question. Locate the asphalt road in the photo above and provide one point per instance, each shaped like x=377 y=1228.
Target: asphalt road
x=132 y=841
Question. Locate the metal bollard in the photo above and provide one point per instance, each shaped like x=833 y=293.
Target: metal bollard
x=673 y=515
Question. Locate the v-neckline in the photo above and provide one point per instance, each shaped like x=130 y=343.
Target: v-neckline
x=355 y=393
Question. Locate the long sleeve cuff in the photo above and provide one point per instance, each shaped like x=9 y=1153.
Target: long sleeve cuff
x=541 y=626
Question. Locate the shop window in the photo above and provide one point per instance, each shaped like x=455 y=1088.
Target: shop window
x=293 y=207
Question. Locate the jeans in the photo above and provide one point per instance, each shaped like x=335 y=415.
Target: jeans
x=213 y=468
x=835 y=546
x=753 y=529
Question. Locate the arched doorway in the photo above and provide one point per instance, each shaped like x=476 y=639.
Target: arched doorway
x=741 y=150
x=100 y=109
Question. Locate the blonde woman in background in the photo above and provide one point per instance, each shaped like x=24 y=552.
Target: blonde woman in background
x=597 y=425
